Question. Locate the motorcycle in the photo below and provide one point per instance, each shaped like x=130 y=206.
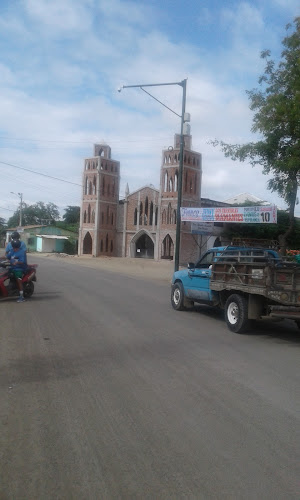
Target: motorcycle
x=8 y=284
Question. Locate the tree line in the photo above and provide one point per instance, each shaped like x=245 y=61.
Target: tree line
x=42 y=213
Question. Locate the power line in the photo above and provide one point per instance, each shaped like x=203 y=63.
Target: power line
x=9 y=209
x=39 y=173
x=113 y=141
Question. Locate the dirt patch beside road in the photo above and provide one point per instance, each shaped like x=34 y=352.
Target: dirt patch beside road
x=143 y=268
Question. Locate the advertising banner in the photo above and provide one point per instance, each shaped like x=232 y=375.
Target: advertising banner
x=202 y=227
x=250 y=215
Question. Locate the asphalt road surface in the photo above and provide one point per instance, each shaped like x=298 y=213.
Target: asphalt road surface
x=107 y=393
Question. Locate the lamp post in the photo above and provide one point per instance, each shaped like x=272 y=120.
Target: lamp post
x=21 y=205
x=182 y=117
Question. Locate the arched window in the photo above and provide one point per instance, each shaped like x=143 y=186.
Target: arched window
x=164 y=215
x=84 y=217
x=135 y=217
x=176 y=181
x=169 y=214
x=112 y=219
x=103 y=185
x=94 y=185
x=166 y=182
x=93 y=217
x=108 y=189
x=191 y=185
x=90 y=187
x=146 y=211
x=171 y=185
x=113 y=187
x=151 y=214
x=106 y=243
x=174 y=217
x=107 y=214
x=86 y=185
x=89 y=214
x=141 y=213
x=156 y=216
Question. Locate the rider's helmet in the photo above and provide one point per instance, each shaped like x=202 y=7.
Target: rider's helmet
x=16 y=243
x=15 y=235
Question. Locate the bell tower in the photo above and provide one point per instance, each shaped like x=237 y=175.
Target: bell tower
x=100 y=196
x=191 y=194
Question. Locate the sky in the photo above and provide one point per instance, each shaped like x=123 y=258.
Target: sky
x=62 y=61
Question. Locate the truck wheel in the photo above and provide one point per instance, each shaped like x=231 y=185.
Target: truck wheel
x=177 y=297
x=236 y=313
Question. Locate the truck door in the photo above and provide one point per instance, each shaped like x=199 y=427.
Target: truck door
x=199 y=279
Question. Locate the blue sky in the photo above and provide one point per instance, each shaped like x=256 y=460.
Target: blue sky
x=61 y=62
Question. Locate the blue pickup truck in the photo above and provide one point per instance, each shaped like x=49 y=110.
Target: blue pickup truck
x=247 y=283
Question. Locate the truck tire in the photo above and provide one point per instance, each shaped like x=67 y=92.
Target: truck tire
x=177 y=297
x=236 y=313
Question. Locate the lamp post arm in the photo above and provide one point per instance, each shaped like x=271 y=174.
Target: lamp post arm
x=153 y=84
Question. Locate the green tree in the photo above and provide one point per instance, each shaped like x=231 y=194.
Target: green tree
x=276 y=109
x=39 y=213
x=2 y=225
x=72 y=215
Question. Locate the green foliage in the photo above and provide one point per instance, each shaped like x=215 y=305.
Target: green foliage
x=72 y=215
x=39 y=213
x=276 y=108
x=2 y=226
x=70 y=247
x=68 y=227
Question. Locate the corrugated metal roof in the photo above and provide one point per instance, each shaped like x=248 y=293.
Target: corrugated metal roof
x=52 y=237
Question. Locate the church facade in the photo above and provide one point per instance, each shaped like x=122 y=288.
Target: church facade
x=143 y=224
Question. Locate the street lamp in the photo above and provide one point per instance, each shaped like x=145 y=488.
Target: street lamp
x=182 y=117
x=21 y=205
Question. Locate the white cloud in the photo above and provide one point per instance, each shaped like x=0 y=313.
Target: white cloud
x=59 y=84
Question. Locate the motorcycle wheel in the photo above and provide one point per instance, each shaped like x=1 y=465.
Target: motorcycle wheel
x=28 y=289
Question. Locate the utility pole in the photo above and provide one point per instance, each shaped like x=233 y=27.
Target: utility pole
x=180 y=173
x=21 y=206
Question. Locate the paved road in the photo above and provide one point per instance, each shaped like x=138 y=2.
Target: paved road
x=107 y=393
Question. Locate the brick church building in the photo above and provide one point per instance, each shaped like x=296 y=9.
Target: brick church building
x=143 y=224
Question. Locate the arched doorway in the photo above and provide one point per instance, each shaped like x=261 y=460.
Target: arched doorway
x=167 y=250
x=87 y=244
x=142 y=246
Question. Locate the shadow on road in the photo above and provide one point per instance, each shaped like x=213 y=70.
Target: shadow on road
x=283 y=331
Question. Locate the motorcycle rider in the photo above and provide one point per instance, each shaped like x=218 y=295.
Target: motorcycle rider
x=18 y=264
x=15 y=236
